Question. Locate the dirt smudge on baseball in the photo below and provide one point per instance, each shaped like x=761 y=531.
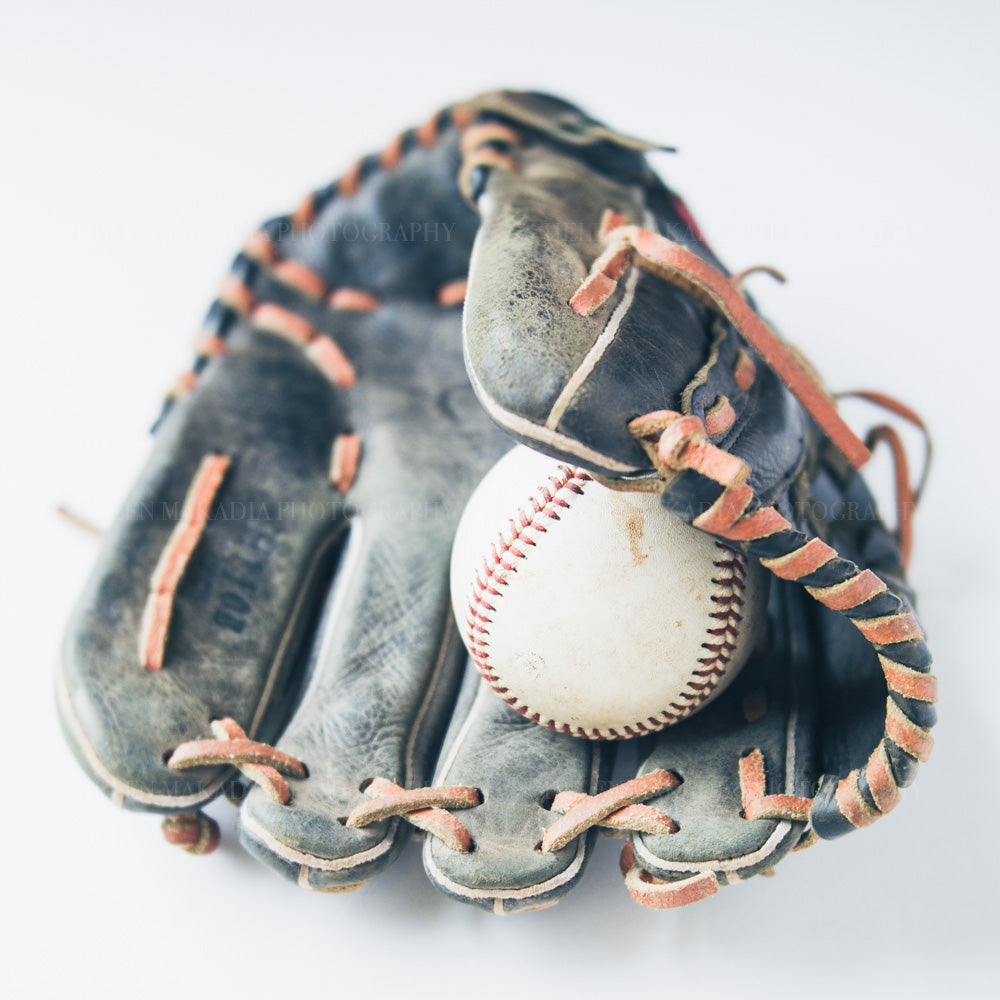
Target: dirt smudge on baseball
x=634 y=523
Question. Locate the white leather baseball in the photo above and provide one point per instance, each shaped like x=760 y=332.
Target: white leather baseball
x=595 y=612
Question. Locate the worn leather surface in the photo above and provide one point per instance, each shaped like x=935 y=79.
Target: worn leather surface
x=648 y=348
x=705 y=751
x=389 y=657
x=530 y=357
x=518 y=767
x=344 y=653
x=246 y=597
x=367 y=690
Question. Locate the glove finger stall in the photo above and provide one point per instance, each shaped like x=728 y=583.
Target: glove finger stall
x=231 y=619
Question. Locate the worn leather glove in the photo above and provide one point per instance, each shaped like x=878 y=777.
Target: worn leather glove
x=269 y=616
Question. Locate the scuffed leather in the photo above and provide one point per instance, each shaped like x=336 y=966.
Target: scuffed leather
x=705 y=750
x=525 y=346
x=531 y=253
x=347 y=656
x=368 y=691
x=664 y=351
x=518 y=766
x=389 y=658
x=266 y=407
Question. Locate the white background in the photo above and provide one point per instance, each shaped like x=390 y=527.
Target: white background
x=853 y=145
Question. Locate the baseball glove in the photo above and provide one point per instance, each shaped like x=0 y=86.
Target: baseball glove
x=269 y=616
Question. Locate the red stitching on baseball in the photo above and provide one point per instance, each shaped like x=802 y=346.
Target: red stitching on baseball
x=723 y=637
x=496 y=564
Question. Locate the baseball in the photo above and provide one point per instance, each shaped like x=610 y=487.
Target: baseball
x=595 y=612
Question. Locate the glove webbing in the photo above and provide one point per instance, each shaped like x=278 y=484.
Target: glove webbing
x=629 y=245
x=679 y=443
